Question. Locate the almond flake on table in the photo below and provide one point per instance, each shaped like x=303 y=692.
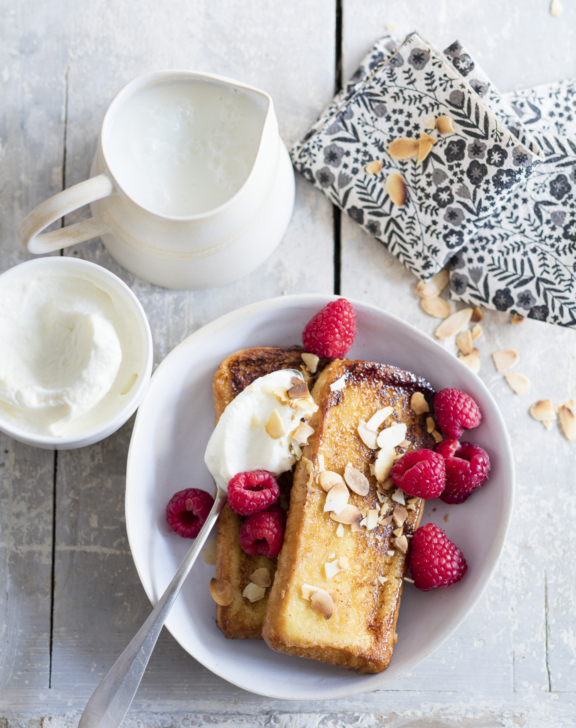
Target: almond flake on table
x=433 y=287
x=543 y=410
x=454 y=323
x=471 y=360
x=396 y=189
x=373 y=167
x=518 y=383
x=444 y=125
x=517 y=319
x=567 y=422
x=477 y=315
x=425 y=144
x=556 y=8
x=505 y=359
x=477 y=332
x=464 y=342
x=403 y=148
x=437 y=307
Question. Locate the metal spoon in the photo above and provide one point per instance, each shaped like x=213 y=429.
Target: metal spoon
x=112 y=698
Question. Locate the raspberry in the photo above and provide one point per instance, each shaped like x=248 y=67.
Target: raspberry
x=263 y=533
x=434 y=559
x=455 y=411
x=188 y=510
x=467 y=467
x=331 y=332
x=252 y=492
x=420 y=473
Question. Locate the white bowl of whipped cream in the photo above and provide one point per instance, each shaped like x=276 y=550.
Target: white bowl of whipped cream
x=75 y=353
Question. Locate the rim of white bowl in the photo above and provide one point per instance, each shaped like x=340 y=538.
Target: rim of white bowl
x=111 y=425
x=476 y=591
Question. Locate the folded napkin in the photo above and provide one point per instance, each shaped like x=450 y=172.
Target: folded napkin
x=494 y=198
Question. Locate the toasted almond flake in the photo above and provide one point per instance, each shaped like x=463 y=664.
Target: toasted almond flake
x=275 y=427
x=505 y=359
x=433 y=287
x=337 y=498
x=454 y=324
x=471 y=360
x=410 y=581
x=367 y=436
x=477 y=332
x=396 y=188
x=322 y=602
x=418 y=403
x=384 y=463
x=405 y=443
x=382 y=579
x=401 y=543
x=543 y=410
x=328 y=480
x=222 y=591
x=380 y=497
x=403 y=148
x=373 y=167
x=437 y=307
x=547 y=424
x=411 y=507
x=412 y=501
x=464 y=342
x=372 y=519
x=398 y=531
x=254 y=593
x=255 y=423
x=298 y=390
x=302 y=433
x=517 y=319
x=348 y=515
x=567 y=422
x=343 y=562
x=399 y=514
x=332 y=556
x=308 y=590
x=305 y=373
x=518 y=383
x=437 y=436
x=444 y=125
x=425 y=144
x=430 y=425
x=372 y=469
x=320 y=461
x=390 y=553
x=387 y=484
x=331 y=568
x=392 y=436
x=431 y=123
x=477 y=315
x=209 y=552
x=364 y=512
x=311 y=361
x=378 y=418
x=356 y=481
x=398 y=497
x=340 y=531
x=339 y=384
x=355 y=528
x=556 y=8
x=261 y=577
x=281 y=395
x=386 y=521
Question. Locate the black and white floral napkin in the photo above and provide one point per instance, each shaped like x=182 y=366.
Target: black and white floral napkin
x=448 y=196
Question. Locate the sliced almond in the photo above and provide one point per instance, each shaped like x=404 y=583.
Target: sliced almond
x=322 y=602
x=398 y=531
x=328 y=480
x=567 y=422
x=339 y=384
x=254 y=593
x=569 y=403
x=517 y=382
x=543 y=410
x=378 y=418
x=517 y=319
x=464 y=342
x=281 y=395
x=396 y=188
x=298 y=390
x=385 y=521
x=399 y=497
x=261 y=577
x=372 y=519
x=476 y=332
x=437 y=307
x=556 y=8
x=356 y=481
x=343 y=562
x=209 y=552
x=367 y=436
x=505 y=359
x=477 y=315
x=437 y=436
x=425 y=144
x=403 y=148
x=454 y=324
x=331 y=568
x=311 y=361
x=392 y=436
x=405 y=443
x=418 y=403
x=337 y=498
x=340 y=531
x=547 y=424
x=348 y=515
x=382 y=579
x=444 y=125
x=399 y=514
x=302 y=433
x=431 y=123
x=373 y=167
x=384 y=463
x=471 y=360
x=308 y=590
x=222 y=591
x=401 y=543
x=433 y=287
x=320 y=461
x=275 y=427
x=430 y=425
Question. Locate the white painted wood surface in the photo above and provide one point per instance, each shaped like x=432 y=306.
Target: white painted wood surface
x=512 y=663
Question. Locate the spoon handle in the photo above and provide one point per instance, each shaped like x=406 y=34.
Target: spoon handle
x=112 y=698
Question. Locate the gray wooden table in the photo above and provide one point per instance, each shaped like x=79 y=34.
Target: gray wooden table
x=70 y=598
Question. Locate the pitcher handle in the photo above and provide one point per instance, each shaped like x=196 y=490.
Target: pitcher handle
x=56 y=207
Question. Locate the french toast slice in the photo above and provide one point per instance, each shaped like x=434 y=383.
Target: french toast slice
x=361 y=632
x=243 y=619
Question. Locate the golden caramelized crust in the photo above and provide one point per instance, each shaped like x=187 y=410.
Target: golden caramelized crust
x=243 y=619
x=361 y=632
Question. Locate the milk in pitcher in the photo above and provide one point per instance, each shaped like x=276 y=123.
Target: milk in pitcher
x=184 y=147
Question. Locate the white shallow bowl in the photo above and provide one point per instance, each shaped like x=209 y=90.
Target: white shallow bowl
x=166 y=453
x=64 y=265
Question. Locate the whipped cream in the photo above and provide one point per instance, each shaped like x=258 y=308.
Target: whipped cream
x=240 y=442
x=69 y=352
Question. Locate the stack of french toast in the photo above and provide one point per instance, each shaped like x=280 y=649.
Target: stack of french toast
x=337 y=582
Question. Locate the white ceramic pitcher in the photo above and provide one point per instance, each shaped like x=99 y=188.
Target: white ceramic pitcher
x=199 y=251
